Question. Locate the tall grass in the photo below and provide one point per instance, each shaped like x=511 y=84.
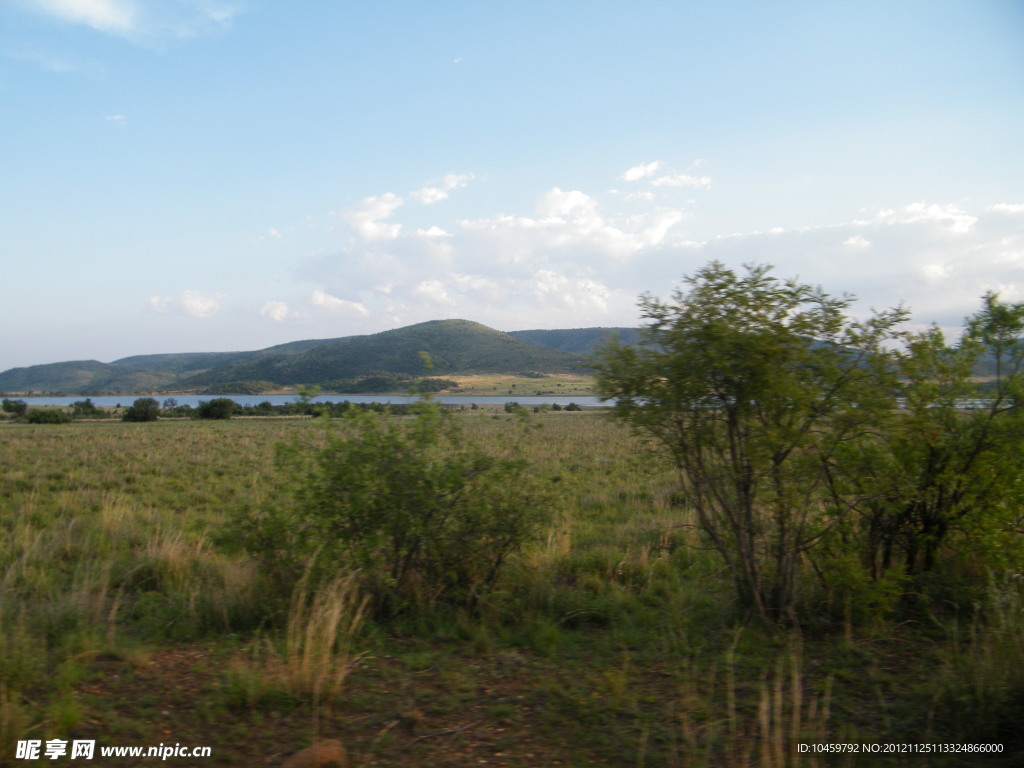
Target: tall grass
x=322 y=626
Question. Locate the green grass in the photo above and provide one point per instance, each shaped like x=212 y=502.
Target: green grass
x=126 y=616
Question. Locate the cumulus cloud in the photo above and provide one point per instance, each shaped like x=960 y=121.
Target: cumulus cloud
x=951 y=217
x=337 y=306
x=641 y=171
x=681 y=180
x=142 y=21
x=580 y=258
x=937 y=259
x=434 y=291
x=188 y=302
x=434 y=231
x=114 y=16
x=368 y=216
x=434 y=194
x=1011 y=208
x=275 y=310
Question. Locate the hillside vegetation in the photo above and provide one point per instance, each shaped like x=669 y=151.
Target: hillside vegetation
x=454 y=347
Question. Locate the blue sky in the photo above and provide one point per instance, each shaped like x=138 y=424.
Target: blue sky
x=200 y=175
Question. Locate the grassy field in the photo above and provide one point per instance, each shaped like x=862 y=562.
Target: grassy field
x=128 y=616
x=497 y=384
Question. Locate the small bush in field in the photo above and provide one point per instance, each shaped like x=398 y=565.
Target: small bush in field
x=423 y=514
x=47 y=416
x=218 y=408
x=143 y=409
x=16 y=407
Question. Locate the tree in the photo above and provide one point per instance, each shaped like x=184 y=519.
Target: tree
x=751 y=385
x=143 y=409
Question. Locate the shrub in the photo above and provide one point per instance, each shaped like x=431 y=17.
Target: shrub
x=17 y=407
x=218 y=408
x=47 y=416
x=426 y=516
x=85 y=409
x=143 y=409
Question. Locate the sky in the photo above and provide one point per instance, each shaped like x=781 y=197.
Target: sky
x=215 y=175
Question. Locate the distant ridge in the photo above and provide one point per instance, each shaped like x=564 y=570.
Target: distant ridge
x=454 y=347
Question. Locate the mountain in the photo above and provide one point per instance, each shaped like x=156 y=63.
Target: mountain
x=581 y=341
x=454 y=347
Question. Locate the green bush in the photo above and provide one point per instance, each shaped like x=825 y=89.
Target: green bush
x=426 y=516
x=16 y=407
x=143 y=409
x=218 y=408
x=47 y=416
x=85 y=409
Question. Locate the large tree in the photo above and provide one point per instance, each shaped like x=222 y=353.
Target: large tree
x=752 y=384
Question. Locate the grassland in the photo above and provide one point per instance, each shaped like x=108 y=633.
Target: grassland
x=497 y=384
x=127 y=616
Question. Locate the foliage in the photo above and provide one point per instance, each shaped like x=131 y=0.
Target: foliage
x=85 y=409
x=143 y=409
x=938 y=468
x=240 y=388
x=218 y=408
x=47 y=416
x=389 y=382
x=425 y=515
x=752 y=385
x=16 y=407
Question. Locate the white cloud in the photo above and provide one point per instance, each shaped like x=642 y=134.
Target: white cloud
x=114 y=16
x=188 y=302
x=434 y=231
x=857 y=242
x=434 y=194
x=582 y=259
x=435 y=292
x=580 y=294
x=682 y=180
x=1012 y=208
x=936 y=259
x=337 y=306
x=142 y=21
x=935 y=272
x=368 y=215
x=641 y=171
x=275 y=310
x=951 y=217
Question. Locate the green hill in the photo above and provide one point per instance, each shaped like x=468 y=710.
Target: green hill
x=454 y=346
x=580 y=341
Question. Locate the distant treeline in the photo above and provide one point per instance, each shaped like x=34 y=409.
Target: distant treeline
x=266 y=408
